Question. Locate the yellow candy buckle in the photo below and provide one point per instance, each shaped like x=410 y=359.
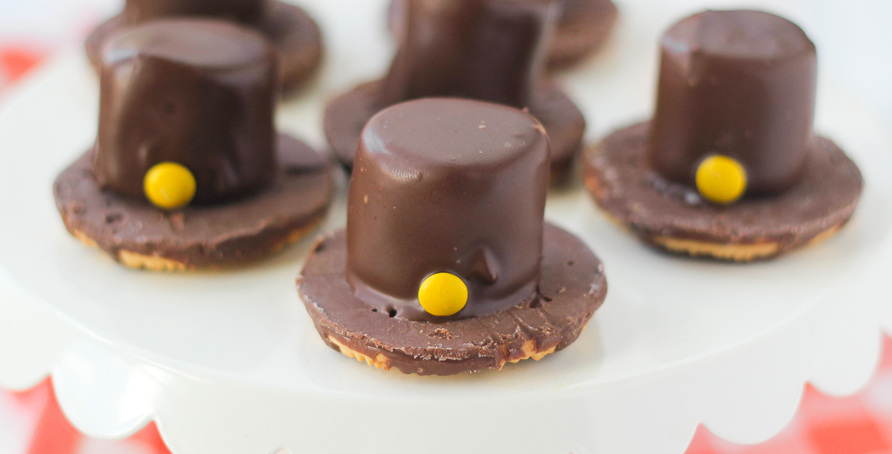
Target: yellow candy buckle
x=443 y=294
x=169 y=185
x=721 y=180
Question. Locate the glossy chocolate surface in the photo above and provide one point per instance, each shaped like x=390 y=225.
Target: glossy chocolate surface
x=571 y=288
x=583 y=28
x=740 y=84
x=448 y=185
x=140 y=11
x=200 y=93
x=201 y=236
x=491 y=50
x=627 y=188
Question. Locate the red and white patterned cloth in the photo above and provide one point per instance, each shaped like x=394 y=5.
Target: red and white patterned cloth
x=32 y=423
x=861 y=424
x=16 y=61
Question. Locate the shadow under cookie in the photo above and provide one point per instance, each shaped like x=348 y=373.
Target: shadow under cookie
x=139 y=235
x=571 y=288
x=347 y=115
x=673 y=217
x=294 y=33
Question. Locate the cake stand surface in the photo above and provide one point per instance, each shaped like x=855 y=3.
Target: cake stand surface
x=229 y=362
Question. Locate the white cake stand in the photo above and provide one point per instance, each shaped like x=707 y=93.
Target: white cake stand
x=229 y=363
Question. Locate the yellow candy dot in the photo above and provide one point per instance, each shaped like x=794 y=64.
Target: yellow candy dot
x=721 y=179
x=443 y=294
x=169 y=185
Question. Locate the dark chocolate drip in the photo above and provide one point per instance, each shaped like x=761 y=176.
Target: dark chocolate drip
x=740 y=84
x=200 y=93
x=448 y=185
x=246 y=11
x=491 y=50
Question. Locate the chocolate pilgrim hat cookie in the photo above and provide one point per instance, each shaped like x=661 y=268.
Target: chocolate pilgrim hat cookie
x=582 y=29
x=446 y=265
x=295 y=34
x=730 y=166
x=488 y=50
x=187 y=170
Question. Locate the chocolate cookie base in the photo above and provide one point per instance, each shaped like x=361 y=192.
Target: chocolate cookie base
x=674 y=218
x=571 y=288
x=294 y=33
x=346 y=116
x=582 y=30
x=138 y=235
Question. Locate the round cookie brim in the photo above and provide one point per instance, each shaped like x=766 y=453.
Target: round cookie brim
x=572 y=287
x=138 y=235
x=295 y=34
x=673 y=217
x=579 y=34
x=346 y=116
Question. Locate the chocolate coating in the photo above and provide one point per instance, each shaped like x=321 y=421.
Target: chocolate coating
x=448 y=185
x=487 y=50
x=201 y=236
x=346 y=116
x=572 y=287
x=623 y=183
x=296 y=36
x=139 y=11
x=200 y=93
x=740 y=84
x=583 y=28
x=490 y=50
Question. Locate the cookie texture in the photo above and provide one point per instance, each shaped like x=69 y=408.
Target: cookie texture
x=138 y=235
x=673 y=217
x=571 y=288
